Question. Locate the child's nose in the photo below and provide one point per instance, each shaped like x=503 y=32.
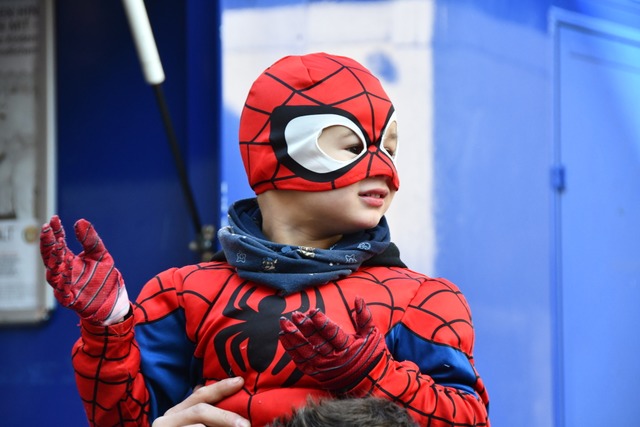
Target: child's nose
x=383 y=166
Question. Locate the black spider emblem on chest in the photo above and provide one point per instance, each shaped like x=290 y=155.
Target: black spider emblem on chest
x=258 y=330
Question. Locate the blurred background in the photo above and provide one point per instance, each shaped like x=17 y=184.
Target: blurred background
x=519 y=164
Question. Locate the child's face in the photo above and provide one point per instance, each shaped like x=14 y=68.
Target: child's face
x=348 y=209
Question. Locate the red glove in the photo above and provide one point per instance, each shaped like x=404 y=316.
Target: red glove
x=87 y=283
x=320 y=348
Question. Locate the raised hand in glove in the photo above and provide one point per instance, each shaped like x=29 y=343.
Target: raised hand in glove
x=87 y=283
x=322 y=349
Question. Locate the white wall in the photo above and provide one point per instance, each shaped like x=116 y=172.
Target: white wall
x=392 y=39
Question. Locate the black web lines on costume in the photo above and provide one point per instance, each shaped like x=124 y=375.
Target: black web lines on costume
x=433 y=328
x=101 y=400
x=359 y=90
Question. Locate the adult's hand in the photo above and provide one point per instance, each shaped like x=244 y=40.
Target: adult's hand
x=198 y=409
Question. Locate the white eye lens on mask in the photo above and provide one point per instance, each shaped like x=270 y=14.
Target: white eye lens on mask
x=301 y=136
x=393 y=155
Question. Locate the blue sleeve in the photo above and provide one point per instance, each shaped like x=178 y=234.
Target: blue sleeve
x=448 y=366
x=167 y=361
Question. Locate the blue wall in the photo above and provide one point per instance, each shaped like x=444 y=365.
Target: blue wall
x=493 y=152
x=493 y=115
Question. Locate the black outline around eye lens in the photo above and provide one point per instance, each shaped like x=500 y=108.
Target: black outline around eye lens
x=282 y=115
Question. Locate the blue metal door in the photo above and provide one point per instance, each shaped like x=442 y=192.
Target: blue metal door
x=598 y=224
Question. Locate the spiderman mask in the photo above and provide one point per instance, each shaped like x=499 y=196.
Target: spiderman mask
x=288 y=107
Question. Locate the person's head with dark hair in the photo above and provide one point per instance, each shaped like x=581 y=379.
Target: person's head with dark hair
x=351 y=412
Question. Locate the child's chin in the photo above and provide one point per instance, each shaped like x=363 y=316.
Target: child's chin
x=368 y=224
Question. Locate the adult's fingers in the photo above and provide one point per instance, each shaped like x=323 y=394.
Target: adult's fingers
x=199 y=410
x=201 y=414
x=211 y=394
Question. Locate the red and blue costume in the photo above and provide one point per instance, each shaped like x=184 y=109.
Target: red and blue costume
x=204 y=323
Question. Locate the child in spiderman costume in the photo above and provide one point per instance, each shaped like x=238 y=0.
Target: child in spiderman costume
x=308 y=296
